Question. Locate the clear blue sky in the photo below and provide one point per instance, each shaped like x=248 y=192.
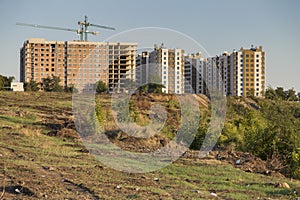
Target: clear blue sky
x=216 y=24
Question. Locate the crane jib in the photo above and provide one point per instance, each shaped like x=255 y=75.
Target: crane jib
x=83 y=31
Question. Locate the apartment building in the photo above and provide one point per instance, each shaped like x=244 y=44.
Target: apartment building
x=248 y=72
x=194 y=74
x=78 y=63
x=142 y=68
x=164 y=66
x=205 y=74
x=224 y=63
x=241 y=73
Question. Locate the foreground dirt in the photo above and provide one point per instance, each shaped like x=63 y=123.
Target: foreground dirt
x=42 y=157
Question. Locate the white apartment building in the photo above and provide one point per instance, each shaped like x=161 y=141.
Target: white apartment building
x=241 y=73
x=164 y=66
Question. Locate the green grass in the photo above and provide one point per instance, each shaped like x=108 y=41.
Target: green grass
x=26 y=153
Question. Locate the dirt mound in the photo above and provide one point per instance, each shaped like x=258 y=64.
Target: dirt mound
x=139 y=144
x=246 y=162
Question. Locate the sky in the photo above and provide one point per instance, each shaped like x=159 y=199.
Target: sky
x=217 y=25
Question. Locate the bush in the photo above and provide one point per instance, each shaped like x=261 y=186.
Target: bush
x=52 y=84
x=101 y=87
x=31 y=86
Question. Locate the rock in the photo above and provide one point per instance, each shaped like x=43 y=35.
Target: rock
x=197 y=191
x=145 y=177
x=213 y=194
x=249 y=170
x=118 y=186
x=99 y=166
x=49 y=168
x=156 y=179
x=283 y=185
x=7 y=127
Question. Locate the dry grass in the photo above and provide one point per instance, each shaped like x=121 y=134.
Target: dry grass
x=51 y=167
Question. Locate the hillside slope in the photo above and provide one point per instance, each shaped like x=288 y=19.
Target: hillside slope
x=42 y=158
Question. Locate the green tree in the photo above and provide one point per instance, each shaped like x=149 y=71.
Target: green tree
x=52 y=84
x=5 y=81
x=31 y=86
x=271 y=94
x=101 y=87
x=280 y=93
x=291 y=95
x=71 y=88
x=151 y=88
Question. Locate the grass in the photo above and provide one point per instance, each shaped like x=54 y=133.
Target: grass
x=58 y=168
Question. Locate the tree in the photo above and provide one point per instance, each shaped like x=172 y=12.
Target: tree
x=280 y=93
x=298 y=96
x=270 y=94
x=5 y=81
x=151 y=88
x=52 y=84
x=71 y=88
x=31 y=86
x=101 y=87
x=291 y=95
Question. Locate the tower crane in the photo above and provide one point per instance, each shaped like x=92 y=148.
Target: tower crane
x=82 y=31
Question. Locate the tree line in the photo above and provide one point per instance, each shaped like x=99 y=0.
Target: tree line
x=268 y=129
x=52 y=84
x=5 y=82
x=280 y=94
